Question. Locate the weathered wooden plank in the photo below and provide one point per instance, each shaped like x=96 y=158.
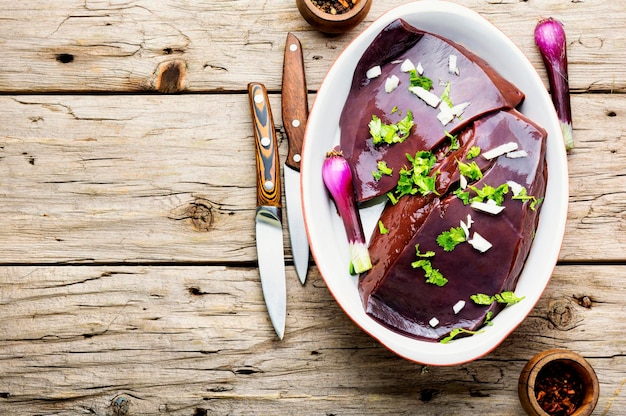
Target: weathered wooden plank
x=597 y=198
x=154 y=195
x=159 y=178
x=122 y=46
x=174 y=171
x=197 y=340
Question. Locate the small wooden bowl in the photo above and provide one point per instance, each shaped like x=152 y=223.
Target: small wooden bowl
x=528 y=377
x=333 y=23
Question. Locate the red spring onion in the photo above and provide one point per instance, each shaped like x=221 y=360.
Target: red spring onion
x=550 y=39
x=338 y=180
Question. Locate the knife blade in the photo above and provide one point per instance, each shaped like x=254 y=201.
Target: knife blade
x=295 y=111
x=269 y=231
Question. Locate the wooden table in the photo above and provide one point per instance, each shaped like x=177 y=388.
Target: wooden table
x=128 y=278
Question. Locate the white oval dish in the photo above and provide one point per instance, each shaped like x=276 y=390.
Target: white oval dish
x=324 y=227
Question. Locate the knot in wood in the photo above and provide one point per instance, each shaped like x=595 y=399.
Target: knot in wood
x=562 y=314
x=170 y=76
x=65 y=58
x=201 y=215
x=119 y=406
x=584 y=301
x=199 y=212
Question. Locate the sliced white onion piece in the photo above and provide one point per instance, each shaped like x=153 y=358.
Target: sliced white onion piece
x=487 y=207
x=479 y=242
x=516 y=188
x=452 y=65
x=458 y=109
x=458 y=306
x=407 y=66
x=433 y=322
x=500 y=150
x=447 y=113
x=463 y=182
x=391 y=83
x=517 y=154
x=427 y=96
x=374 y=72
x=420 y=68
x=465 y=226
x=465 y=229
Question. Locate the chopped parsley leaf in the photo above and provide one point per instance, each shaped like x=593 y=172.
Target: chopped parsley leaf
x=415 y=179
x=391 y=133
x=425 y=254
x=455 y=332
x=454 y=141
x=381 y=132
x=433 y=276
x=422 y=162
x=445 y=95
x=381 y=228
x=482 y=299
x=405 y=183
x=470 y=170
x=392 y=198
x=448 y=240
x=462 y=195
x=509 y=298
x=489 y=192
x=473 y=152
x=488 y=318
x=424 y=184
x=405 y=125
x=418 y=80
x=523 y=196
x=382 y=169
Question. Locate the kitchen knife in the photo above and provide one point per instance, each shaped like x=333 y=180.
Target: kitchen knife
x=269 y=231
x=295 y=112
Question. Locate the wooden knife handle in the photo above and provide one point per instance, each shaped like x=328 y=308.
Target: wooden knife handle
x=267 y=161
x=294 y=100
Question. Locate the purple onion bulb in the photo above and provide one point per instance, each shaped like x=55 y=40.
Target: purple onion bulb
x=550 y=39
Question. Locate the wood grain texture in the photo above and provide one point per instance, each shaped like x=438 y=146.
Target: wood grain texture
x=97 y=45
x=172 y=178
x=187 y=340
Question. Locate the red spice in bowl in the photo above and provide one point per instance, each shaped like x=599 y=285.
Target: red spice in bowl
x=558 y=382
x=559 y=389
